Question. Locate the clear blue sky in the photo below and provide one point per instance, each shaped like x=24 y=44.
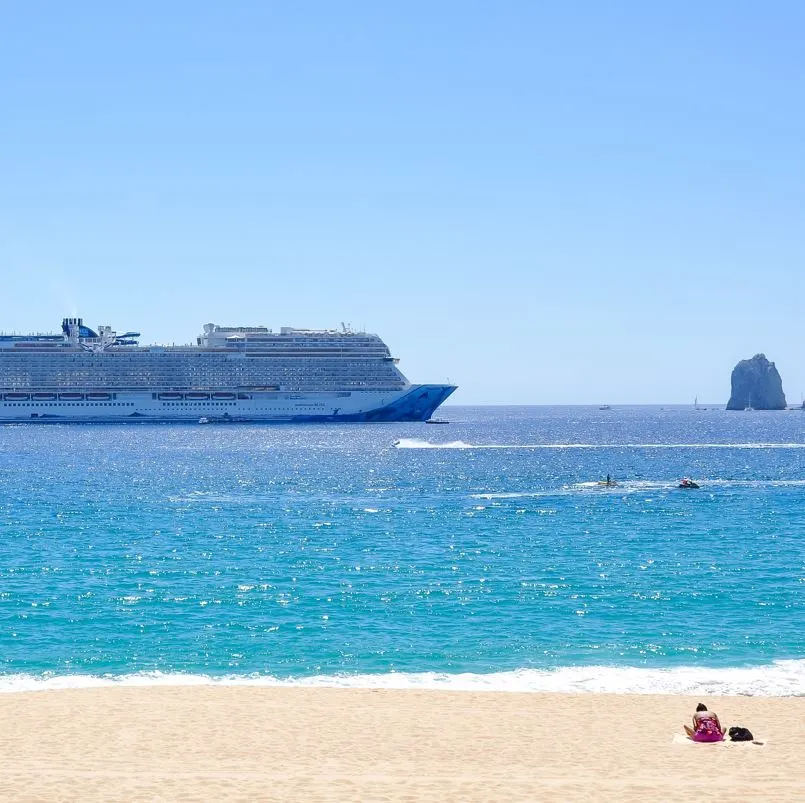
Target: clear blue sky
x=566 y=202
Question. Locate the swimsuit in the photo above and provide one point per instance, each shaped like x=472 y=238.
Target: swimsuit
x=707 y=730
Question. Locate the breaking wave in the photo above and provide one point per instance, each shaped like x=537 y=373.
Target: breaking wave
x=778 y=679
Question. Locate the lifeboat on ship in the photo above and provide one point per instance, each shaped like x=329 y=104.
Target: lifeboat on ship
x=16 y=396
x=43 y=396
x=99 y=396
x=169 y=396
x=224 y=396
x=71 y=396
x=197 y=396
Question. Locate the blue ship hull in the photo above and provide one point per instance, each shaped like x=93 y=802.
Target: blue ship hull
x=417 y=403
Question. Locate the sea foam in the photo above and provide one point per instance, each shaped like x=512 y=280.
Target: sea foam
x=778 y=679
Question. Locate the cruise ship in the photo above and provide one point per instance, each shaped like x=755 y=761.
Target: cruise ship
x=233 y=373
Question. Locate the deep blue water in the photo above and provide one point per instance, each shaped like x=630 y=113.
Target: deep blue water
x=480 y=547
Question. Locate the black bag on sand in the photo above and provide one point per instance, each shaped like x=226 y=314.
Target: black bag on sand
x=739 y=734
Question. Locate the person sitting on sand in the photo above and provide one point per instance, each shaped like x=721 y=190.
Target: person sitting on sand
x=706 y=726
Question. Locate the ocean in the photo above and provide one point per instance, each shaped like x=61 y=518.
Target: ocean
x=482 y=554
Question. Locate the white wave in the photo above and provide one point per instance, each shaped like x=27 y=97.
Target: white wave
x=416 y=443
x=779 y=679
x=511 y=495
x=630 y=486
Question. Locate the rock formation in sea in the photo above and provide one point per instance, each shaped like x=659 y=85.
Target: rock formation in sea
x=756 y=383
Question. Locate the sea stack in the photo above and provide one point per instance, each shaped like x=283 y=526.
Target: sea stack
x=756 y=384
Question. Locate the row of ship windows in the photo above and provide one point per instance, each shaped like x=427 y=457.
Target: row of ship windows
x=144 y=370
x=164 y=404
x=287 y=351
x=191 y=380
x=24 y=384
x=233 y=367
x=196 y=404
x=375 y=356
x=295 y=409
x=68 y=404
x=239 y=368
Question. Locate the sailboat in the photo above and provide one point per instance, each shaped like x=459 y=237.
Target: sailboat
x=749 y=408
x=696 y=404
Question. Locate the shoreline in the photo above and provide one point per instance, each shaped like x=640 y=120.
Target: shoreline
x=780 y=678
x=233 y=743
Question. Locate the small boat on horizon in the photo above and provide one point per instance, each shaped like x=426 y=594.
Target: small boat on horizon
x=436 y=421
x=604 y=407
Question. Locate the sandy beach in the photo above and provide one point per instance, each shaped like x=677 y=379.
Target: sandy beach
x=257 y=743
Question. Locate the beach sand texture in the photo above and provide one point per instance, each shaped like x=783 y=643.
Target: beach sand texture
x=209 y=743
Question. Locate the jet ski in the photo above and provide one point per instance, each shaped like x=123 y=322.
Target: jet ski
x=608 y=482
x=687 y=483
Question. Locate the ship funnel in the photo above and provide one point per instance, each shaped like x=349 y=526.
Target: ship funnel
x=71 y=327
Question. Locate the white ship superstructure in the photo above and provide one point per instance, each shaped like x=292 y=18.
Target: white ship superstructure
x=231 y=374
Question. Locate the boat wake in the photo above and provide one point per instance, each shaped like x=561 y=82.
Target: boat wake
x=416 y=443
x=778 y=679
x=632 y=486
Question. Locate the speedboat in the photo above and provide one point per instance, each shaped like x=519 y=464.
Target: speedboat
x=204 y=420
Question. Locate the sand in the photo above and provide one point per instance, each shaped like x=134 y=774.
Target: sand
x=286 y=744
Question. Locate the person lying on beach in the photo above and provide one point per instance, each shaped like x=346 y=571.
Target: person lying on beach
x=706 y=726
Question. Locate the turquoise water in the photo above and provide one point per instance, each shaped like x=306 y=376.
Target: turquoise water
x=476 y=554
